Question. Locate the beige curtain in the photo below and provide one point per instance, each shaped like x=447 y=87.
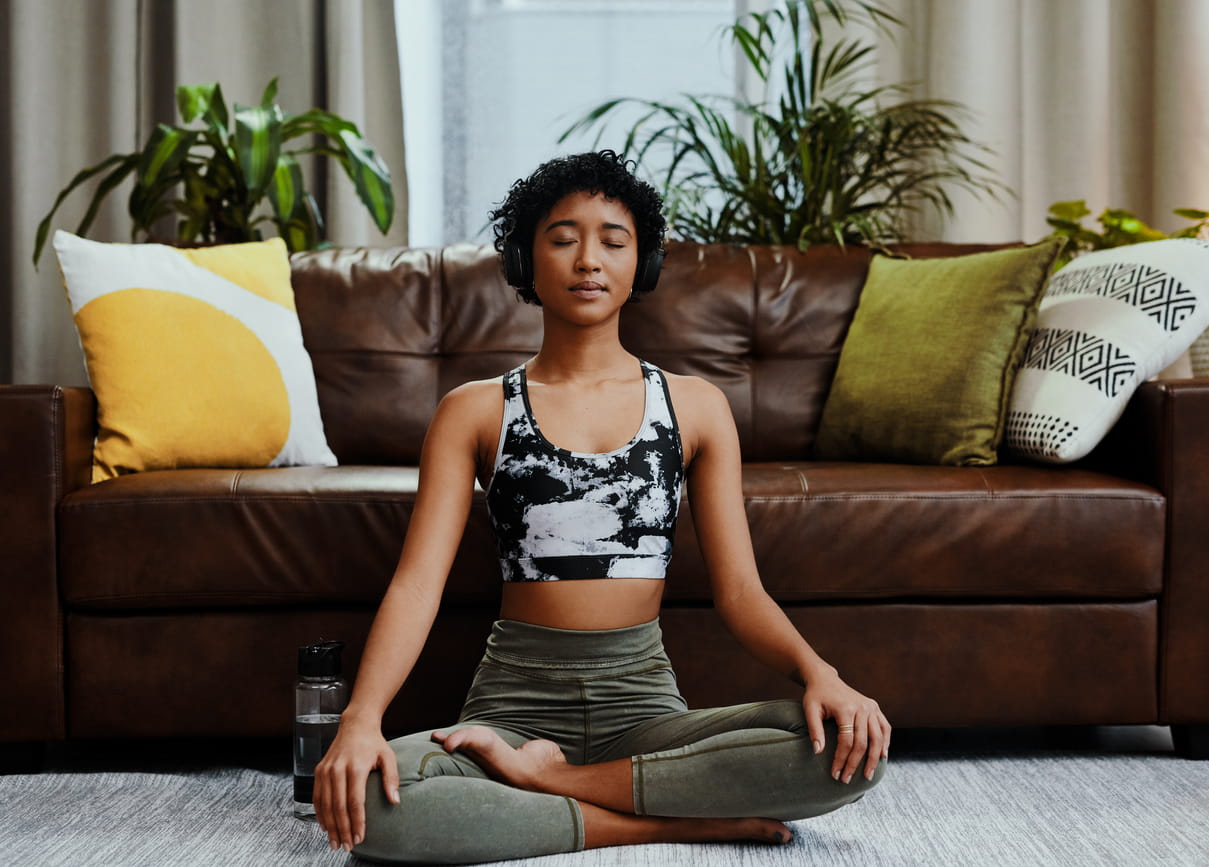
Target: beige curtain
x=1102 y=100
x=85 y=80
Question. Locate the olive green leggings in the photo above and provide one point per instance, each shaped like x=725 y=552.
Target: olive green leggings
x=600 y=695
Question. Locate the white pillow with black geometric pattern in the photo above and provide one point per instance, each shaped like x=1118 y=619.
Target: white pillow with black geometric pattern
x=1108 y=321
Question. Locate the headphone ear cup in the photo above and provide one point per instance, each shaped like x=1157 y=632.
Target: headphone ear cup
x=647 y=274
x=517 y=269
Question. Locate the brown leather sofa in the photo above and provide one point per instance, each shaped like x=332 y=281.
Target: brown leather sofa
x=172 y=603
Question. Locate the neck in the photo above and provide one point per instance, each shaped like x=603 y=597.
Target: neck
x=570 y=352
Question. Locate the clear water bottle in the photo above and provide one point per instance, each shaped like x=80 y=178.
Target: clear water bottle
x=320 y=695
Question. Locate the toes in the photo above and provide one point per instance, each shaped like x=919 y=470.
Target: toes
x=468 y=738
x=779 y=833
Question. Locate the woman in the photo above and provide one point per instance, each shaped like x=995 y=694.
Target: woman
x=573 y=734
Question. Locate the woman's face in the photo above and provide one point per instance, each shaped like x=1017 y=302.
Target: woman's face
x=585 y=253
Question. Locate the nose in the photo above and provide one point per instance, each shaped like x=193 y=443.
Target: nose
x=588 y=260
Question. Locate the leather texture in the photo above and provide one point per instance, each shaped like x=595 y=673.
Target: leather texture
x=231 y=673
x=45 y=450
x=171 y=603
x=947 y=664
x=1180 y=414
x=311 y=535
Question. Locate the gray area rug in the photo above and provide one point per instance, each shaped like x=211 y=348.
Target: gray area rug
x=944 y=802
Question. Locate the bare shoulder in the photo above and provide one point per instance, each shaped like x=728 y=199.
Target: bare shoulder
x=702 y=412
x=476 y=394
x=693 y=396
x=474 y=407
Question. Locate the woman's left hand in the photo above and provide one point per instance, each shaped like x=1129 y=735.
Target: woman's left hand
x=864 y=731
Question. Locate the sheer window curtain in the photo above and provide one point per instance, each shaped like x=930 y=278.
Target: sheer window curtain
x=1102 y=100
x=84 y=80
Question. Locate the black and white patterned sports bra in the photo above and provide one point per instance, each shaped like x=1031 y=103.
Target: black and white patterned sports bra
x=560 y=515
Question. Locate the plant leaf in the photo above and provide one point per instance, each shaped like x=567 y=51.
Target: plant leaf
x=316 y=122
x=204 y=101
x=166 y=149
x=270 y=94
x=370 y=176
x=125 y=164
x=1074 y=210
x=285 y=192
x=258 y=146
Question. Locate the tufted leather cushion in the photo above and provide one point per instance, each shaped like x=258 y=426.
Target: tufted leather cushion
x=390 y=331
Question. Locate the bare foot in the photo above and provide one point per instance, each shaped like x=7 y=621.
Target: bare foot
x=524 y=767
x=607 y=828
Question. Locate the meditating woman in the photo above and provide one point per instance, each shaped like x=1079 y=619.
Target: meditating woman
x=574 y=734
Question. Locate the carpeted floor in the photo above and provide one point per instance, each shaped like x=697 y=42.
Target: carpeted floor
x=1060 y=797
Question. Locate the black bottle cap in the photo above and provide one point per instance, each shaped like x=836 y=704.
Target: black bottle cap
x=321 y=659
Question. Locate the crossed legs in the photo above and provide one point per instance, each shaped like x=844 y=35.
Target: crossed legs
x=604 y=793
x=491 y=794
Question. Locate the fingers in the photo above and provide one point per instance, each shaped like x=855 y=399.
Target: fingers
x=389 y=766
x=323 y=813
x=851 y=743
x=865 y=739
x=877 y=739
x=340 y=799
x=327 y=796
x=338 y=791
x=814 y=725
x=352 y=820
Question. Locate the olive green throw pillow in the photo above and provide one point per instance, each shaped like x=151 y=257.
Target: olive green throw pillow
x=927 y=368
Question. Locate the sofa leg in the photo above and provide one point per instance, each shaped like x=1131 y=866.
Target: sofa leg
x=1191 y=741
x=23 y=757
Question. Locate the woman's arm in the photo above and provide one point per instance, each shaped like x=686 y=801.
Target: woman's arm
x=406 y=614
x=756 y=621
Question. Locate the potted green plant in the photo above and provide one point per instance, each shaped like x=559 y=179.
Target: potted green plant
x=215 y=176
x=827 y=161
x=1118 y=227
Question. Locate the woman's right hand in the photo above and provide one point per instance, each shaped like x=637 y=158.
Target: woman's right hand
x=340 y=781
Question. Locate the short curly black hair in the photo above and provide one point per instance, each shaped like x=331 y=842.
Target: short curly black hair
x=532 y=198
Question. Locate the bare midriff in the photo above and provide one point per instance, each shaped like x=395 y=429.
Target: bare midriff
x=605 y=603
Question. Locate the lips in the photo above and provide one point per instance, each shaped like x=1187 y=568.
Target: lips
x=588 y=289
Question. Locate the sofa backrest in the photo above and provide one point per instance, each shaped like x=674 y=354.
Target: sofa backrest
x=390 y=331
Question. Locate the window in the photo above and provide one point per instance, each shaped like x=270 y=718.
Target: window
x=489 y=85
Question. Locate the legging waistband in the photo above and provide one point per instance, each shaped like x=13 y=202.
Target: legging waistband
x=527 y=645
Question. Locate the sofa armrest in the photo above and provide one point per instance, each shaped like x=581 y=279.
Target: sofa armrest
x=46 y=435
x=1167 y=424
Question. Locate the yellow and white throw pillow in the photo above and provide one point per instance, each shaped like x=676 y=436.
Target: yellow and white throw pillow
x=195 y=356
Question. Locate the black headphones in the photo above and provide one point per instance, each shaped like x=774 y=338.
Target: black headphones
x=518 y=267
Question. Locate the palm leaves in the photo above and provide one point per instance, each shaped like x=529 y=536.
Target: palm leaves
x=826 y=162
x=215 y=177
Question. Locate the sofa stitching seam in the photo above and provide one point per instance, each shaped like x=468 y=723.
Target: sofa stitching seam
x=1147 y=499
x=247 y=498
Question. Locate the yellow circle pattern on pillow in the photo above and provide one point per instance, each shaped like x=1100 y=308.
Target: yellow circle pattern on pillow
x=157 y=402
x=195 y=356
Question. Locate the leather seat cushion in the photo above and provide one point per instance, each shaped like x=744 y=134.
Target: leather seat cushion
x=251 y=538
x=832 y=530
x=302 y=536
